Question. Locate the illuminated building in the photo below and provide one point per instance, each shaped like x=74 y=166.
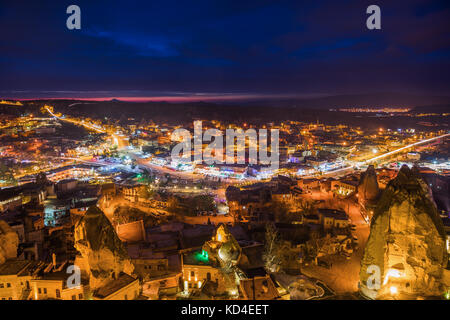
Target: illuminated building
x=53 y=285
x=10 y=202
x=344 y=187
x=55 y=211
x=197 y=270
x=15 y=280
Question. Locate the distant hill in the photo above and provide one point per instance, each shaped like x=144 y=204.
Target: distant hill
x=306 y=110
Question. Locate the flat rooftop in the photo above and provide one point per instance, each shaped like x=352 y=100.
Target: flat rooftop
x=114 y=285
x=13 y=267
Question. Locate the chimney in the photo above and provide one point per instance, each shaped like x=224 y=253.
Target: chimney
x=54 y=260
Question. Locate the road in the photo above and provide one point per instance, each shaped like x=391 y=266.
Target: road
x=384 y=155
x=343 y=276
x=120 y=140
x=349 y=169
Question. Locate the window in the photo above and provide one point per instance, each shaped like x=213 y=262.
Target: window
x=58 y=293
x=80 y=296
x=45 y=290
x=192 y=274
x=8 y=285
x=208 y=276
x=2 y=285
x=74 y=297
x=39 y=290
x=125 y=298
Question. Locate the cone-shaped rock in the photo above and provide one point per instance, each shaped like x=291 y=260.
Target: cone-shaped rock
x=368 y=189
x=98 y=243
x=223 y=248
x=406 y=243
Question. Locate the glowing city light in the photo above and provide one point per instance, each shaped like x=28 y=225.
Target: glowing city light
x=393 y=290
x=447 y=295
x=394 y=273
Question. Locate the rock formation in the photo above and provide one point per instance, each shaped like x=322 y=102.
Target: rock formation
x=406 y=243
x=223 y=249
x=101 y=248
x=368 y=189
x=225 y=253
x=9 y=241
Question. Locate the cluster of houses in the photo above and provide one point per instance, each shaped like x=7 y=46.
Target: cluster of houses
x=174 y=259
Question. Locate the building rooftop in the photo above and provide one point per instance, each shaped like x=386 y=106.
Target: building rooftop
x=198 y=257
x=13 y=267
x=113 y=286
x=259 y=288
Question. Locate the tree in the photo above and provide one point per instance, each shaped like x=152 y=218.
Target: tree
x=307 y=207
x=281 y=212
x=41 y=179
x=272 y=256
x=146 y=193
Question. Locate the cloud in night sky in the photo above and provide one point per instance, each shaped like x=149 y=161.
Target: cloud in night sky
x=266 y=48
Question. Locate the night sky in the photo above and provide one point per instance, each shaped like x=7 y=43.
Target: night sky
x=232 y=49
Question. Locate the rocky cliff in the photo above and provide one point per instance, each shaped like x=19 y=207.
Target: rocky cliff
x=99 y=245
x=9 y=241
x=406 y=242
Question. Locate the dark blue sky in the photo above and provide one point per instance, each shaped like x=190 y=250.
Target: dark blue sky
x=231 y=48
